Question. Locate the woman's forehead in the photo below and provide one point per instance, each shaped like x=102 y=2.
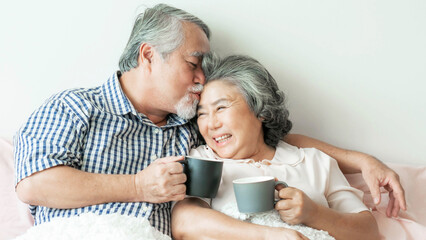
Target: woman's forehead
x=217 y=92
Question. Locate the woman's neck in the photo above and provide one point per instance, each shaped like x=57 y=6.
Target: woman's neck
x=266 y=152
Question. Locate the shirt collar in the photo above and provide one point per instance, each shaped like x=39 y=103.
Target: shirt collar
x=288 y=154
x=175 y=120
x=284 y=154
x=118 y=103
x=116 y=100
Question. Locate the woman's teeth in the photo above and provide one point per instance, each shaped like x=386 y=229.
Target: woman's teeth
x=222 y=138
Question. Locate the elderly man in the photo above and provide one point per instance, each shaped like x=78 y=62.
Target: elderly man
x=113 y=148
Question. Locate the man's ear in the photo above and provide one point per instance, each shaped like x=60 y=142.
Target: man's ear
x=146 y=54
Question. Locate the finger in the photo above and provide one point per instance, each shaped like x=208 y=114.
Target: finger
x=390 y=204
x=178 y=190
x=374 y=187
x=399 y=194
x=169 y=159
x=175 y=168
x=279 y=187
x=393 y=206
x=177 y=179
x=287 y=216
x=283 y=205
x=178 y=197
x=287 y=193
x=396 y=208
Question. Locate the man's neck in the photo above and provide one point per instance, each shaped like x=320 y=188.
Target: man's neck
x=141 y=95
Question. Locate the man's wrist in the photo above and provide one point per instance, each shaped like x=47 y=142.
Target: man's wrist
x=135 y=194
x=367 y=161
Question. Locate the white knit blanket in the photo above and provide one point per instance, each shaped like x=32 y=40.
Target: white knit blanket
x=115 y=226
x=272 y=219
x=91 y=226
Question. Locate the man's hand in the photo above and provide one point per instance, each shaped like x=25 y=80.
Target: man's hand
x=376 y=175
x=295 y=207
x=162 y=181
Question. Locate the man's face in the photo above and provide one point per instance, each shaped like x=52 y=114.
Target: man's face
x=180 y=77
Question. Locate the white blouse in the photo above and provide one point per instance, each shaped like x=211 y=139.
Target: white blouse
x=307 y=169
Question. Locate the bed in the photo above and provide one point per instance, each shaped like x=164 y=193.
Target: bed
x=15 y=219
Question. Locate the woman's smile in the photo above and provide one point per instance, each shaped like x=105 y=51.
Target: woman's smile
x=223 y=138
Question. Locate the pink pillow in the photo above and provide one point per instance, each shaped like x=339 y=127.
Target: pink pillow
x=15 y=217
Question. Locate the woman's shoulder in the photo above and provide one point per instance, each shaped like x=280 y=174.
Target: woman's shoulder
x=288 y=154
x=292 y=155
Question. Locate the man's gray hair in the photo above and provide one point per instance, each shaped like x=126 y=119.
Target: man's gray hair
x=259 y=89
x=161 y=27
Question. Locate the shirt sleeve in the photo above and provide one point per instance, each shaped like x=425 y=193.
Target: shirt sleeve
x=52 y=136
x=340 y=195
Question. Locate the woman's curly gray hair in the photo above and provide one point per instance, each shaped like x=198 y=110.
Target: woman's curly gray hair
x=259 y=89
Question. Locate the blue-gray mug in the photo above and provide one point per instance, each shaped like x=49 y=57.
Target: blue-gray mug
x=256 y=194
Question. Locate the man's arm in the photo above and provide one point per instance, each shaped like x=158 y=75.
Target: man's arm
x=375 y=173
x=53 y=139
x=194 y=219
x=349 y=161
x=66 y=187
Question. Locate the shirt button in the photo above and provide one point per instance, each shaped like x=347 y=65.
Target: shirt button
x=156 y=130
x=144 y=208
x=153 y=157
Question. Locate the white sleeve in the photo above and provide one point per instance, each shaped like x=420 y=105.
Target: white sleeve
x=340 y=195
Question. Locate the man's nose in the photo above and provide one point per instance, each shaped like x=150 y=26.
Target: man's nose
x=199 y=76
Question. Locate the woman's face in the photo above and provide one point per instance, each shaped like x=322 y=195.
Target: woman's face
x=226 y=122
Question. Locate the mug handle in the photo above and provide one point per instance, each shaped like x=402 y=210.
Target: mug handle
x=284 y=184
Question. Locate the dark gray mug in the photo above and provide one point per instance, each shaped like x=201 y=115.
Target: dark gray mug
x=203 y=176
x=256 y=194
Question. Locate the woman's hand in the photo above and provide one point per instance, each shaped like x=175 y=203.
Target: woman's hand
x=295 y=207
x=376 y=175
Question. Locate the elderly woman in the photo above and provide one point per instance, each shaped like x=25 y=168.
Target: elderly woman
x=242 y=118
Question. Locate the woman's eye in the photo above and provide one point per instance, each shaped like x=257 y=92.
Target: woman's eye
x=200 y=114
x=220 y=107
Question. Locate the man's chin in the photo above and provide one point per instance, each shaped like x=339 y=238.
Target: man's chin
x=188 y=111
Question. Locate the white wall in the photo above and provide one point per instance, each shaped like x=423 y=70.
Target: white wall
x=354 y=71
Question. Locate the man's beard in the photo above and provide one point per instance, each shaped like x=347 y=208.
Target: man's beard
x=185 y=108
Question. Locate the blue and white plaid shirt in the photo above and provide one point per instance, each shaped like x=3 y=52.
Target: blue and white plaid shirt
x=98 y=130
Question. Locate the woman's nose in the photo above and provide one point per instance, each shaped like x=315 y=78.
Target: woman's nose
x=214 y=122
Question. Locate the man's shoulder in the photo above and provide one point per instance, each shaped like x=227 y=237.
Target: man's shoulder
x=77 y=95
x=76 y=101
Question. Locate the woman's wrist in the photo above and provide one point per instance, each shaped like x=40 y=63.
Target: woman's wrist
x=315 y=216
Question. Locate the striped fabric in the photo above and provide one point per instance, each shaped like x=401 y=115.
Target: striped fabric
x=98 y=130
